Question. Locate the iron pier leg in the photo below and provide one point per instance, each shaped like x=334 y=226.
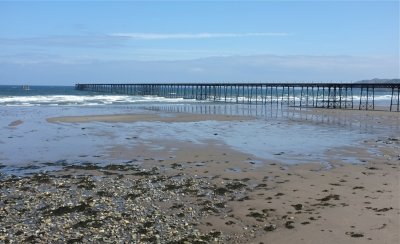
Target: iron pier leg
x=398 y=98
x=373 y=98
x=256 y=93
x=301 y=96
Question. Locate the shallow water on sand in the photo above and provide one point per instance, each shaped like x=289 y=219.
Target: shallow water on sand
x=289 y=136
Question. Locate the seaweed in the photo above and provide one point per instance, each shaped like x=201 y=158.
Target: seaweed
x=221 y=191
x=104 y=194
x=258 y=216
x=131 y=196
x=354 y=234
x=298 y=206
x=289 y=224
x=87 y=223
x=270 y=228
x=75 y=240
x=82 y=207
x=237 y=185
x=87 y=183
x=329 y=197
x=41 y=178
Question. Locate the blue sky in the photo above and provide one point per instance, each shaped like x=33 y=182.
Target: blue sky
x=63 y=42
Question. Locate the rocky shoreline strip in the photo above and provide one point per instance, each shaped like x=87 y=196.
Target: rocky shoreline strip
x=119 y=203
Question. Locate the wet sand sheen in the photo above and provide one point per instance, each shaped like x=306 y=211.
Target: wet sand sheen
x=172 y=118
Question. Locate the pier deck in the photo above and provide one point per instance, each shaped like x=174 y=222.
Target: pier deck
x=318 y=95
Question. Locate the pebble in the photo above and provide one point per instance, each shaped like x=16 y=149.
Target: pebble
x=80 y=208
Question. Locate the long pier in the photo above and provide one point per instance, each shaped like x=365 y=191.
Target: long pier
x=361 y=96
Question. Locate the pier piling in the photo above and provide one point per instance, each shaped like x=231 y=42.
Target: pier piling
x=317 y=95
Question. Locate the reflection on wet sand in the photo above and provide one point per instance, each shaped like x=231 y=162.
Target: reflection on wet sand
x=362 y=120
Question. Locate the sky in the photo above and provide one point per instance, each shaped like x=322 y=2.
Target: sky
x=66 y=42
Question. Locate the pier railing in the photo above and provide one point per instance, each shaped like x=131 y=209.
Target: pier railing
x=317 y=95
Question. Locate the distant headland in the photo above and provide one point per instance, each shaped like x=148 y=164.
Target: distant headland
x=377 y=80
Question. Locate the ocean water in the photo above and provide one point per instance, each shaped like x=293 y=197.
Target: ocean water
x=68 y=96
x=282 y=134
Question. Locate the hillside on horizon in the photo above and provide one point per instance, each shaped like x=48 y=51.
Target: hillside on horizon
x=377 y=80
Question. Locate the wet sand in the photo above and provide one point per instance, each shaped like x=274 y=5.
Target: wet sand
x=210 y=193
x=126 y=118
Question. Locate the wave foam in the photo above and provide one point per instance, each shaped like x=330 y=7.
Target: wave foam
x=59 y=100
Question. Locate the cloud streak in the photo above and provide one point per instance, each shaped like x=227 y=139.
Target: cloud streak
x=205 y=35
x=265 y=68
x=119 y=39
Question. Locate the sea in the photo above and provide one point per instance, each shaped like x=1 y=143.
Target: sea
x=69 y=96
x=30 y=144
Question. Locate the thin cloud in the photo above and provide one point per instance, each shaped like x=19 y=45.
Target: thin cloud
x=118 y=39
x=100 y=41
x=205 y=35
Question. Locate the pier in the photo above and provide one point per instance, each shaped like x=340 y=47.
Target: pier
x=361 y=96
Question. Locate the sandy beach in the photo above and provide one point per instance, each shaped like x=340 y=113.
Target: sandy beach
x=200 y=122
x=178 y=191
